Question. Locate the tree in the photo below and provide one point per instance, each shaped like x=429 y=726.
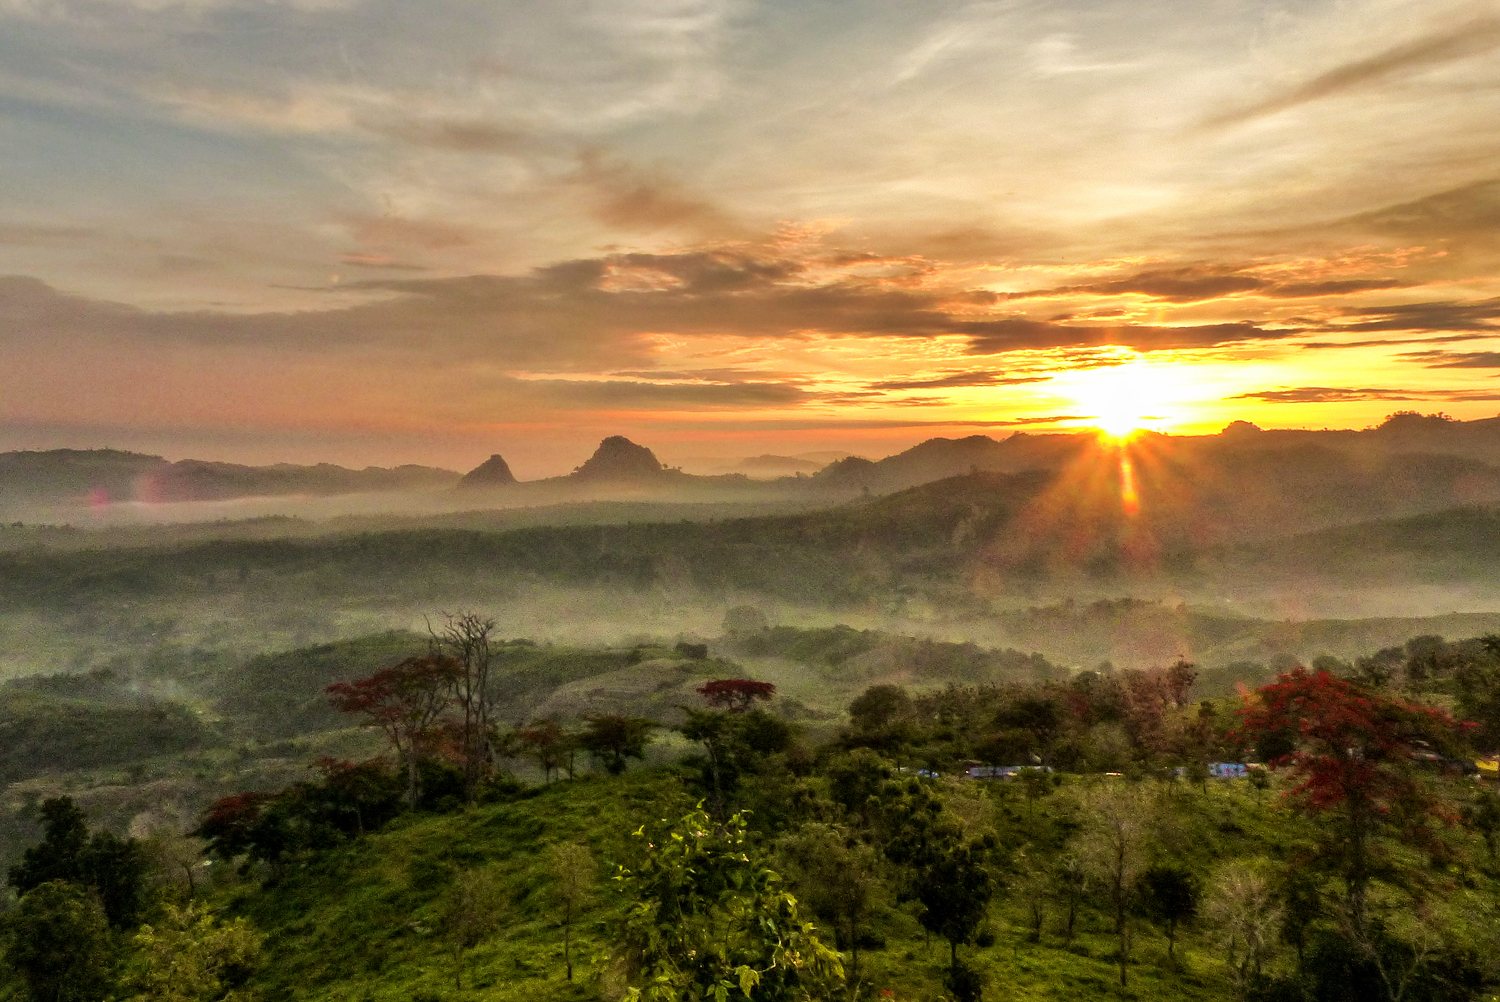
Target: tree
x=743 y=619
x=465 y=638
x=193 y=957
x=736 y=695
x=1170 y=895
x=1242 y=909
x=1070 y=879
x=58 y=942
x=407 y=701
x=471 y=912
x=115 y=869
x=1354 y=760
x=61 y=853
x=1113 y=849
x=1483 y=815
x=838 y=879
x=546 y=743
x=611 y=738
x=706 y=919
x=572 y=866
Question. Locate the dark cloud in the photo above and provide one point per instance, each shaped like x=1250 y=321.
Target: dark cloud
x=1437 y=316
x=712 y=375
x=978 y=377
x=1456 y=359
x=807 y=424
x=1474 y=38
x=999 y=336
x=598 y=314
x=378 y=262
x=1198 y=283
x=1336 y=394
x=1338 y=287
x=1325 y=394
x=1378 y=342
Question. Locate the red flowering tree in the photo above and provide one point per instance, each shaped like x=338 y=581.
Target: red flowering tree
x=735 y=694
x=407 y=701
x=229 y=823
x=1354 y=756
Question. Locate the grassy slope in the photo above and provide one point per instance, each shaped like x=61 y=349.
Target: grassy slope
x=359 y=923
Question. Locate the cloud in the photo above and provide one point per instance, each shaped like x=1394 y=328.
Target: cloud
x=625 y=197
x=1017 y=334
x=978 y=377
x=1338 y=394
x=31 y=235
x=579 y=394
x=1381 y=342
x=1325 y=394
x=399 y=231
x=1456 y=359
x=1470 y=213
x=1196 y=283
x=1462 y=42
x=458 y=135
x=1443 y=315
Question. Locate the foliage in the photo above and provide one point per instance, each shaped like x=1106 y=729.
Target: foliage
x=735 y=694
x=611 y=738
x=1245 y=917
x=1170 y=895
x=1356 y=758
x=57 y=941
x=838 y=878
x=471 y=911
x=407 y=701
x=46 y=734
x=112 y=868
x=573 y=869
x=191 y=956
x=706 y=919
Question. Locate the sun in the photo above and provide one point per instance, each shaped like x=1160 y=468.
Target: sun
x=1122 y=400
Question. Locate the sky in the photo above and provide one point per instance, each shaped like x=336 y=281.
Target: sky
x=378 y=232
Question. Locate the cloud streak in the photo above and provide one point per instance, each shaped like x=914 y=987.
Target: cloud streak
x=1465 y=41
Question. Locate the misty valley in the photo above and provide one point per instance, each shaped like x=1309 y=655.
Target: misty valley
x=1049 y=716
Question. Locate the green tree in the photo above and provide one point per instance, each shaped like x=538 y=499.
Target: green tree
x=1244 y=913
x=572 y=866
x=471 y=912
x=706 y=919
x=115 y=869
x=1170 y=895
x=190 y=956
x=611 y=738
x=1113 y=849
x=838 y=878
x=58 y=942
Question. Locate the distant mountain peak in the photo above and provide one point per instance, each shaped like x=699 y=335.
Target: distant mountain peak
x=618 y=458
x=493 y=472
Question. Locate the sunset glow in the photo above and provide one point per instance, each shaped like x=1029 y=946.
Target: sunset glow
x=736 y=229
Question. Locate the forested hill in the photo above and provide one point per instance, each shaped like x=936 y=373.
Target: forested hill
x=104 y=476
x=952 y=542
